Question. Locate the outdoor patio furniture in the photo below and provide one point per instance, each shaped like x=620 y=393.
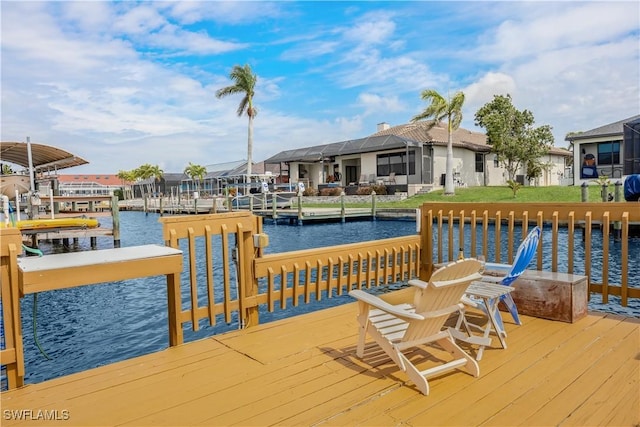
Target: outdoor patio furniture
x=397 y=328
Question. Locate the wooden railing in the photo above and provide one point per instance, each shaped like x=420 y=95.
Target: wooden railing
x=11 y=354
x=273 y=279
x=227 y=274
x=311 y=273
x=612 y=219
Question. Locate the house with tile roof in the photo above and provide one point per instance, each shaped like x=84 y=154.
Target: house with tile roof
x=611 y=150
x=82 y=184
x=409 y=158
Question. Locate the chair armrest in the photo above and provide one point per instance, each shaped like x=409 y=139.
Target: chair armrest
x=497 y=268
x=376 y=302
x=469 y=301
x=418 y=283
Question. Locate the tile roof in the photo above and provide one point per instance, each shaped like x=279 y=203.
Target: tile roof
x=398 y=136
x=611 y=129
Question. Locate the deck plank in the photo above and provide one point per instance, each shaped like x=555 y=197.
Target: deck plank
x=303 y=371
x=620 y=386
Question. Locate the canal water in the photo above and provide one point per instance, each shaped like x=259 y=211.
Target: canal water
x=86 y=327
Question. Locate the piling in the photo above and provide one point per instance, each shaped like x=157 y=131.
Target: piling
x=373 y=205
x=274 y=207
x=115 y=215
x=299 y=208
x=617 y=225
x=604 y=192
x=584 y=192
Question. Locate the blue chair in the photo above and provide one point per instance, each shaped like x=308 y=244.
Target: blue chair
x=524 y=255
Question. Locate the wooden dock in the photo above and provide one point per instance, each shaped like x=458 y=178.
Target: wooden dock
x=303 y=371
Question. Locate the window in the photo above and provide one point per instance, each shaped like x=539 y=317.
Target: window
x=395 y=162
x=496 y=163
x=609 y=153
x=479 y=162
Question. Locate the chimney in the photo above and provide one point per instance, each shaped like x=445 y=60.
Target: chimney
x=383 y=126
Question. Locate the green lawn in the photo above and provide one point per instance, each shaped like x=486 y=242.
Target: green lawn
x=495 y=194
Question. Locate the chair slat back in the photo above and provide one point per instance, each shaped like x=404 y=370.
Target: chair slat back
x=443 y=293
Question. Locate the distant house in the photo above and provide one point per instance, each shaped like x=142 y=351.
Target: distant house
x=410 y=158
x=82 y=184
x=612 y=150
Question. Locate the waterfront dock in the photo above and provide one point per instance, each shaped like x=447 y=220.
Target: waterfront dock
x=292 y=215
x=303 y=371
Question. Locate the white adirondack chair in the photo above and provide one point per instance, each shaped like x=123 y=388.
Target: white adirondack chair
x=396 y=328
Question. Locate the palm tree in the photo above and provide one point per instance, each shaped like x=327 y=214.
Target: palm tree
x=147 y=171
x=126 y=177
x=195 y=172
x=438 y=109
x=244 y=82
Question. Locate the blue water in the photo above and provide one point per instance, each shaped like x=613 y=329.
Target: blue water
x=90 y=326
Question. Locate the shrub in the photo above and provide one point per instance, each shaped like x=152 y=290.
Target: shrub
x=331 y=191
x=378 y=188
x=310 y=192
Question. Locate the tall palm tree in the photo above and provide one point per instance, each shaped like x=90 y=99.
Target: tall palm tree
x=195 y=172
x=126 y=177
x=244 y=83
x=147 y=171
x=438 y=109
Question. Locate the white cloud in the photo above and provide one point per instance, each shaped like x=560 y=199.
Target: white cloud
x=490 y=84
x=559 y=25
x=124 y=83
x=371 y=103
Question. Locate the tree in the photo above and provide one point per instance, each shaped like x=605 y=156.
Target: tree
x=147 y=171
x=438 y=109
x=513 y=137
x=244 y=83
x=126 y=177
x=195 y=172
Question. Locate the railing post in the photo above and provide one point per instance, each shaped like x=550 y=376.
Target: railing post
x=299 y=207
x=342 y=208
x=248 y=313
x=584 y=192
x=13 y=352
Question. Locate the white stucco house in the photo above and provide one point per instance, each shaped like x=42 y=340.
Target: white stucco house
x=410 y=158
x=611 y=150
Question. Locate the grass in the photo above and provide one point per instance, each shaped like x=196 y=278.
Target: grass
x=492 y=195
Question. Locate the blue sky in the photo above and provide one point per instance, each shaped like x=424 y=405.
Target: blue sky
x=126 y=83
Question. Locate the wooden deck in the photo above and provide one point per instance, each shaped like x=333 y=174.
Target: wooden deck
x=303 y=371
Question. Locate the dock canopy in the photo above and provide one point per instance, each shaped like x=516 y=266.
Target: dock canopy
x=44 y=157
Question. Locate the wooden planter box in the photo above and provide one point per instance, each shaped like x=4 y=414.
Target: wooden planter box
x=555 y=296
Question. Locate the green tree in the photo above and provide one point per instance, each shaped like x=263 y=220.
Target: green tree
x=196 y=173
x=147 y=171
x=126 y=177
x=513 y=137
x=438 y=109
x=244 y=83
